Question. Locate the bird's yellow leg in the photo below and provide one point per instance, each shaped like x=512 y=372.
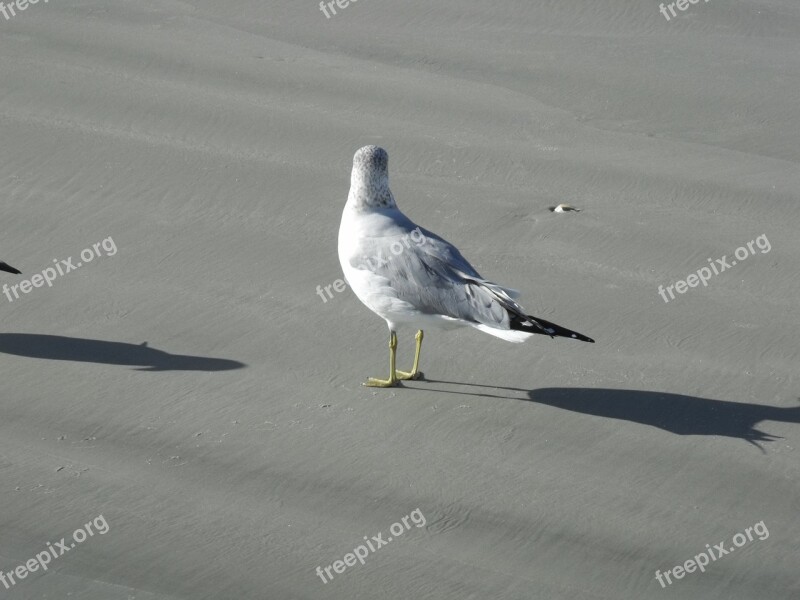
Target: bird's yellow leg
x=392 y=381
x=414 y=374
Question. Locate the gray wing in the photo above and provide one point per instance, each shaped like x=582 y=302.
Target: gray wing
x=431 y=274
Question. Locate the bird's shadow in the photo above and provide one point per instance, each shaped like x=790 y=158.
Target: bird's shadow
x=676 y=413
x=56 y=347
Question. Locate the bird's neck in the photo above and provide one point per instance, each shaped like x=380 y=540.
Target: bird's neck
x=370 y=194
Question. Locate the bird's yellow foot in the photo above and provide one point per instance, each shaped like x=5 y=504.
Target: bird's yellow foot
x=415 y=372
x=392 y=381
x=405 y=375
x=385 y=383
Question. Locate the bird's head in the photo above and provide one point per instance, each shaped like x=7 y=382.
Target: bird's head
x=369 y=180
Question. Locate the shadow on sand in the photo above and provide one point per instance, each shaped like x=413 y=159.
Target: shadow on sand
x=56 y=347
x=676 y=413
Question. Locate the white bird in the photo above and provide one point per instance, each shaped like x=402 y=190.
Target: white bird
x=8 y=268
x=413 y=278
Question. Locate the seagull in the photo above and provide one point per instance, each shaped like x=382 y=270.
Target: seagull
x=8 y=268
x=411 y=277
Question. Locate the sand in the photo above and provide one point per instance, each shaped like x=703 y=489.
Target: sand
x=195 y=390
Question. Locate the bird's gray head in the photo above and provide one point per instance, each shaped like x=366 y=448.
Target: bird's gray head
x=369 y=181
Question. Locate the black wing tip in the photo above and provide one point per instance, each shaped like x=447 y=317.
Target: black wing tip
x=9 y=269
x=580 y=337
x=537 y=325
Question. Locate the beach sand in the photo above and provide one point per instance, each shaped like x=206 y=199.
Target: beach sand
x=195 y=390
